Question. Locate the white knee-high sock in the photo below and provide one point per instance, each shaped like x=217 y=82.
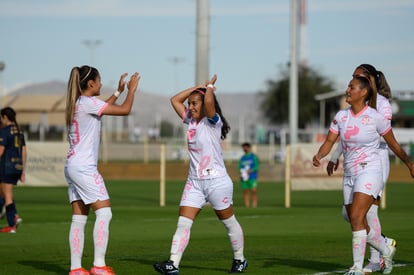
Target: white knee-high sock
x=101 y=234
x=377 y=240
x=76 y=240
x=236 y=236
x=180 y=239
x=359 y=242
x=374 y=223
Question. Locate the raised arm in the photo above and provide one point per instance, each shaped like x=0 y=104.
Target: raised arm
x=126 y=106
x=209 y=102
x=121 y=88
x=177 y=100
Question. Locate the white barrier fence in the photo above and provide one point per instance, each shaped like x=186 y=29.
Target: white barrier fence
x=45 y=163
x=300 y=173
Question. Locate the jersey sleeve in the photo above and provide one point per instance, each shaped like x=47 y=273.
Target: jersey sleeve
x=383 y=124
x=334 y=128
x=94 y=105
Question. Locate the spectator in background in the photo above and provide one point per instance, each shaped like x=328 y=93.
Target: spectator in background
x=249 y=169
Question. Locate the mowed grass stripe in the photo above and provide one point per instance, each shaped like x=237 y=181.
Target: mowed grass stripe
x=309 y=238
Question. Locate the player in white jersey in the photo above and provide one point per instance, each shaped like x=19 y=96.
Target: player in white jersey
x=86 y=187
x=384 y=107
x=207 y=181
x=359 y=128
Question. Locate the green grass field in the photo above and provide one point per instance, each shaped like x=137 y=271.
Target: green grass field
x=309 y=238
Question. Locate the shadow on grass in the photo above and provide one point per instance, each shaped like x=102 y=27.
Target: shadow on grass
x=302 y=263
x=182 y=266
x=45 y=266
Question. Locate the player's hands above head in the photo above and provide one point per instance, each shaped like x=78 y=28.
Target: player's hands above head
x=122 y=82
x=213 y=80
x=133 y=82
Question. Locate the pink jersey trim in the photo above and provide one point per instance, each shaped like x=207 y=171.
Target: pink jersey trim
x=386 y=131
x=102 y=109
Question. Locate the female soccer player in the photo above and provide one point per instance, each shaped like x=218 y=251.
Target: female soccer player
x=384 y=107
x=207 y=181
x=360 y=127
x=13 y=160
x=86 y=185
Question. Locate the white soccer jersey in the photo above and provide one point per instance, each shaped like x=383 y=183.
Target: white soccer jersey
x=384 y=107
x=204 y=147
x=85 y=132
x=360 y=137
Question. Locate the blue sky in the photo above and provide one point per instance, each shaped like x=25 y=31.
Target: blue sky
x=42 y=40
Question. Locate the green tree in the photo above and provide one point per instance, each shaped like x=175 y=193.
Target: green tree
x=166 y=129
x=275 y=101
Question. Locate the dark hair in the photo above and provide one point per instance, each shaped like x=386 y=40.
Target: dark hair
x=11 y=115
x=225 y=129
x=380 y=82
x=366 y=83
x=78 y=81
x=246 y=144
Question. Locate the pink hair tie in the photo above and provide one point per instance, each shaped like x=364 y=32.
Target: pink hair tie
x=200 y=91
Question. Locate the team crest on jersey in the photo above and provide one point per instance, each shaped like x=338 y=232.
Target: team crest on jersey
x=365 y=120
x=191 y=133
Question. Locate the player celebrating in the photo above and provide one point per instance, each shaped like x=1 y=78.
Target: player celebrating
x=208 y=181
x=359 y=128
x=86 y=185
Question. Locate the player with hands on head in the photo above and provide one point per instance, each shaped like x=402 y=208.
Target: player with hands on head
x=359 y=128
x=86 y=187
x=207 y=180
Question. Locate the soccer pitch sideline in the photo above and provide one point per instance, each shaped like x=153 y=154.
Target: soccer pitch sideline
x=309 y=238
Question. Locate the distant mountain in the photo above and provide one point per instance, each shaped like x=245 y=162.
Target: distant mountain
x=240 y=109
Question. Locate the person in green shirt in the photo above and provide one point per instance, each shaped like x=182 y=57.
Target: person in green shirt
x=249 y=168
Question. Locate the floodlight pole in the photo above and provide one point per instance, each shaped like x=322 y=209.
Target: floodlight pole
x=92 y=45
x=202 y=41
x=175 y=61
x=293 y=81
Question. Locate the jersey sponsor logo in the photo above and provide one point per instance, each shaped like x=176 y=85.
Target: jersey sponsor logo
x=351 y=131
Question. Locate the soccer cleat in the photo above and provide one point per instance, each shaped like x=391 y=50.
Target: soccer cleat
x=166 y=267
x=374 y=267
x=8 y=229
x=17 y=220
x=388 y=259
x=79 y=271
x=354 y=271
x=390 y=241
x=238 y=266
x=102 y=270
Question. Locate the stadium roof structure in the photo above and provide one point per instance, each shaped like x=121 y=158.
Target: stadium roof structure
x=34 y=109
